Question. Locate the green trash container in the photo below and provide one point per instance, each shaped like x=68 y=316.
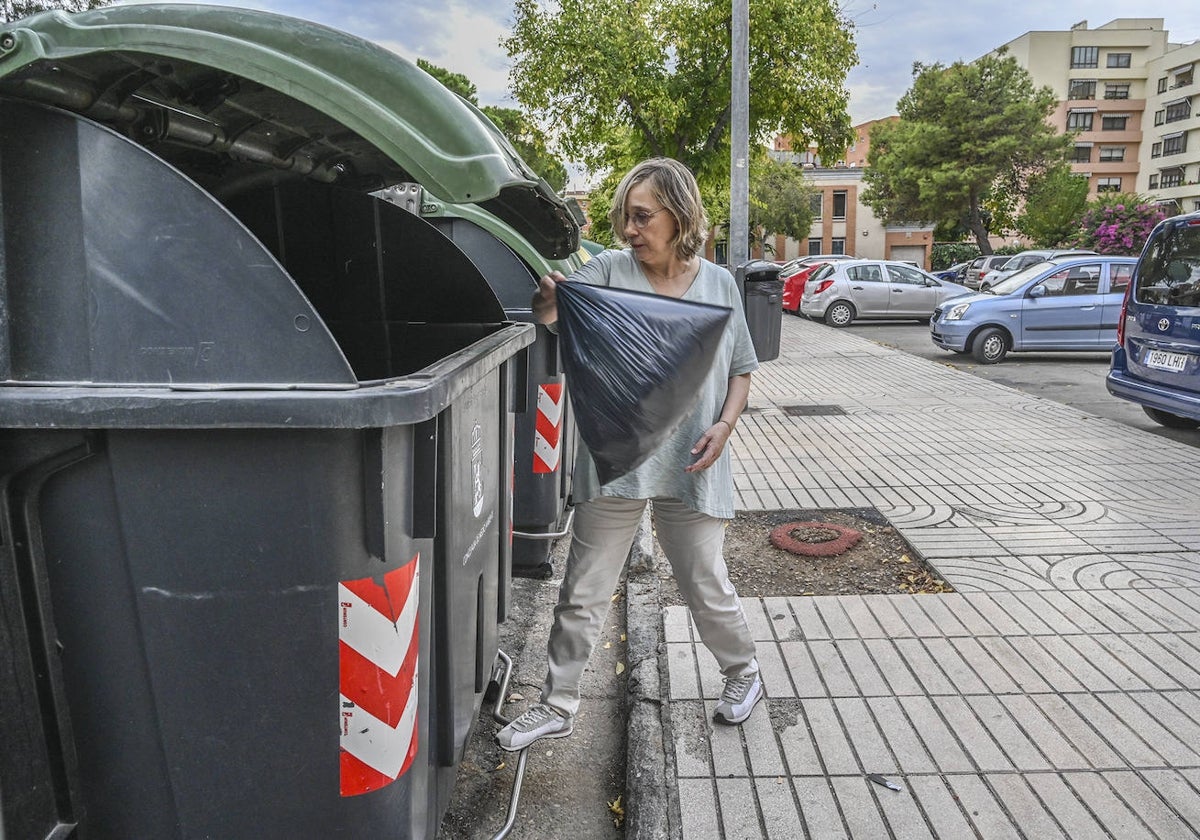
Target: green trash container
x=256 y=428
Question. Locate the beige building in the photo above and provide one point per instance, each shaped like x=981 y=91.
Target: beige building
x=1127 y=92
x=1170 y=155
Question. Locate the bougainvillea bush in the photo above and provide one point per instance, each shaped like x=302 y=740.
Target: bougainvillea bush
x=1118 y=224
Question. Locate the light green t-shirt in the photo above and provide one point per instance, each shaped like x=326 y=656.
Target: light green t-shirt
x=709 y=491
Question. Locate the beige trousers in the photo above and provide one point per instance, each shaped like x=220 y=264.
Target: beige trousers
x=603 y=532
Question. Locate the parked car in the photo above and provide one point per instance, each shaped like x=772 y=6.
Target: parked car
x=847 y=290
x=793 y=285
x=1066 y=303
x=956 y=273
x=1023 y=260
x=981 y=265
x=796 y=263
x=1157 y=359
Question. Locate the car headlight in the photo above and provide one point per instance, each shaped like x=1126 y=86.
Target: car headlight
x=957 y=312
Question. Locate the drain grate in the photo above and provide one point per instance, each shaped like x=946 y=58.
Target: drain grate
x=812 y=410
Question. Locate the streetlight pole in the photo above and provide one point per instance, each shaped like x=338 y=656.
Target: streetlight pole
x=739 y=178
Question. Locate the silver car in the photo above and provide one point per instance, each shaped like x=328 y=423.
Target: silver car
x=842 y=292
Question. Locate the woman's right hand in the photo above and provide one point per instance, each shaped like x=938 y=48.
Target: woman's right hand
x=545 y=299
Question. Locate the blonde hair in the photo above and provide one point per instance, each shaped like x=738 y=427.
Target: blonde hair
x=674 y=187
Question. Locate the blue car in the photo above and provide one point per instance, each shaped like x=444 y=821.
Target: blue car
x=1157 y=359
x=1066 y=303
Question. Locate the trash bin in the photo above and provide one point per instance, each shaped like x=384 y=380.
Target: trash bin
x=256 y=428
x=762 y=297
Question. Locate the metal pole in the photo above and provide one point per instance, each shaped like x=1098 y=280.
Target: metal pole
x=739 y=176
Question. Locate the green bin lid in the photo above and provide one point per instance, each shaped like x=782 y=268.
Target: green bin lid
x=233 y=96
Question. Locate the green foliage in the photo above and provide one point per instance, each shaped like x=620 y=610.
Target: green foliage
x=1117 y=224
x=529 y=141
x=12 y=10
x=1055 y=201
x=780 y=200
x=946 y=254
x=970 y=137
x=623 y=80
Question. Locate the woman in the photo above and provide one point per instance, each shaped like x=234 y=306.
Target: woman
x=658 y=214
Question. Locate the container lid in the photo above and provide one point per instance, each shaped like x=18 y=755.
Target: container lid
x=235 y=96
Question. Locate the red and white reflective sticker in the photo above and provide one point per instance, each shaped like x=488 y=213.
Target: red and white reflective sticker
x=377 y=657
x=547 y=442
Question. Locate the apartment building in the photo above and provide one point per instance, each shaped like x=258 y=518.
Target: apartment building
x=1170 y=158
x=1100 y=78
x=1128 y=93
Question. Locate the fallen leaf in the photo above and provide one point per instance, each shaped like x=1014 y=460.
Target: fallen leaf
x=622 y=637
x=515 y=696
x=499 y=766
x=620 y=667
x=607 y=645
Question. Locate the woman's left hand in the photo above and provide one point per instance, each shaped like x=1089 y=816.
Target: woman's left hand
x=709 y=447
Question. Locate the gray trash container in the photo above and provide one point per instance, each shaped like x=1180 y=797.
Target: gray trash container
x=762 y=297
x=255 y=429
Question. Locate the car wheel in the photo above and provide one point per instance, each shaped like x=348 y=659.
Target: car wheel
x=1171 y=421
x=839 y=314
x=990 y=346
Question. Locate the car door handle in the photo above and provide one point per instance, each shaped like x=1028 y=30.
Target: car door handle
x=857 y=288
x=1087 y=308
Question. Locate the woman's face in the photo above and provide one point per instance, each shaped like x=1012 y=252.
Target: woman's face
x=651 y=242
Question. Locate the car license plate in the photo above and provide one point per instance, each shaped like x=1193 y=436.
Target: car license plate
x=1162 y=360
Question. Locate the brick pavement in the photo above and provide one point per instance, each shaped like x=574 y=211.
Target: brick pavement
x=1053 y=694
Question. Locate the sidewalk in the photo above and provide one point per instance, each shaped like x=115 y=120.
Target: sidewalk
x=1053 y=695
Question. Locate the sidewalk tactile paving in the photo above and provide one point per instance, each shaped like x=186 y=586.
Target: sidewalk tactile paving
x=1052 y=694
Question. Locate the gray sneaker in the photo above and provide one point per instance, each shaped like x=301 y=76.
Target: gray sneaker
x=739 y=698
x=539 y=721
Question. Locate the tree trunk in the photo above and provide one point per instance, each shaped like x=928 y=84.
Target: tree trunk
x=977 y=228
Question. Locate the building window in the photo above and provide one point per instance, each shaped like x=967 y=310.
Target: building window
x=1079 y=120
x=1108 y=185
x=837 y=246
x=1113 y=122
x=1162 y=85
x=1179 y=110
x=1154 y=181
x=1112 y=154
x=1174 y=144
x=1172 y=178
x=1082 y=154
x=1159 y=117
x=1156 y=150
x=839 y=206
x=1085 y=56
x=1116 y=91
x=1196 y=206
x=1081 y=89
x=814 y=246
x=815 y=203
x=1119 y=59
x=1183 y=78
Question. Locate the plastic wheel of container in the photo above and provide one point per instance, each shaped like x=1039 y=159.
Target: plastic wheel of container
x=1171 y=421
x=839 y=314
x=990 y=346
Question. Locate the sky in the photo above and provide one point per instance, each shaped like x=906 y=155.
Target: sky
x=464 y=35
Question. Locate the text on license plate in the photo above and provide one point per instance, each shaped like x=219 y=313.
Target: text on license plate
x=1163 y=360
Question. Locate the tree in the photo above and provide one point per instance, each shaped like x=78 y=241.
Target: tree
x=12 y=10
x=622 y=80
x=1117 y=223
x=1053 y=206
x=780 y=201
x=967 y=134
x=525 y=136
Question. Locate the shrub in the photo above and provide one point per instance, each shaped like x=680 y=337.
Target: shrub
x=1117 y=224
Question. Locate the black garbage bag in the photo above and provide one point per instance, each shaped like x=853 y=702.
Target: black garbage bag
x=634 y=362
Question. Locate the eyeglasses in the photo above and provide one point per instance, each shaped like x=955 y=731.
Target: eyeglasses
x=641 y=218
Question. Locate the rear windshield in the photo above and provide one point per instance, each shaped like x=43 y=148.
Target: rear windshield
x=1169 y=272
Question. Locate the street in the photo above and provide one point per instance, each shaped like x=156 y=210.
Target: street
x=1074 y=379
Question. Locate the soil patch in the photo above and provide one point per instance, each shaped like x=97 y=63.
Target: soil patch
x=882 y=562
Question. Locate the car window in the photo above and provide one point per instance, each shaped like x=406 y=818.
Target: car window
x=1074 y=281
x=864 y=273
x=906 y=275
x=822 y=272
x=1170 y=273
x=1118 y=278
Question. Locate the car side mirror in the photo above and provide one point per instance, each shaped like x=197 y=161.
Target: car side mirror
x=1037 y=291
x=929 y=282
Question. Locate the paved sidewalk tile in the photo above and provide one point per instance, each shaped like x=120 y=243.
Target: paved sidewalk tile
x=1055 y=693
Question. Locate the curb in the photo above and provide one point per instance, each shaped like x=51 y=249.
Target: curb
x=650 y=800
